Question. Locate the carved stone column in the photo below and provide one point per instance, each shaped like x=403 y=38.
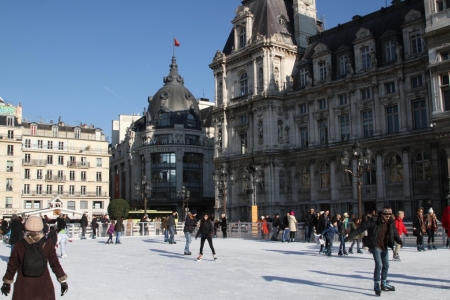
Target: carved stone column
x=376 y=100
x=380 y=177
x=403 y=106
x=313 y=181
x=332 y=131
x=333 y=181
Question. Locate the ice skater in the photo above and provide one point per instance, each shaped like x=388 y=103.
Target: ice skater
x=111 y=232
x=62 y=241
x=206 y=232
x=328 y=234
x=381 y=234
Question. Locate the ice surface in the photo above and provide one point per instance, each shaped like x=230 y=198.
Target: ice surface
x=148 y=268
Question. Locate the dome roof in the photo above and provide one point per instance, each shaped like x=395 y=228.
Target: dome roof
x=173 y=96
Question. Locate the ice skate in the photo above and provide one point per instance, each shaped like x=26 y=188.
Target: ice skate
x=199 y=258
x=434 y=247
x=350 y=251
x=385 y=286
x=359 y=251
x=377 y=289
x=215 y=256
x=396 y=257
x=340 y=253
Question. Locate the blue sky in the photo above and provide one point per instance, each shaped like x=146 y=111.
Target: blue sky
x=90 y=60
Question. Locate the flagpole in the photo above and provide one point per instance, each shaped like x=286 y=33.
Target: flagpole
x=173 y=46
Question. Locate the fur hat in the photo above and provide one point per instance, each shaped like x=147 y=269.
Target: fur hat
x=346 y=215
x=34 y=223
x=387 y=211
x=430 y=211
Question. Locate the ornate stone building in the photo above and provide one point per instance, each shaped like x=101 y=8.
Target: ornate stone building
x=171 y=144
x=291 y=97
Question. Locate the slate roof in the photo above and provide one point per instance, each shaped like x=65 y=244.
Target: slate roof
x=266 y=14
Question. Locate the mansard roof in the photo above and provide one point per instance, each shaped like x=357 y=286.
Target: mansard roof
x=266 y=14
x=388 y=19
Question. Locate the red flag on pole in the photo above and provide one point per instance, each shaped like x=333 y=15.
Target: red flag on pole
x=176 y=43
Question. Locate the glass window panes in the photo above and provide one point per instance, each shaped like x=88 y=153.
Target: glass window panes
x=367 y=117
x=422 y=166
x=389 y=50
x=392 y=119
x=244 y=84
x=395 y=169
x=420 y=114
x=365 y=57
x=345 y=127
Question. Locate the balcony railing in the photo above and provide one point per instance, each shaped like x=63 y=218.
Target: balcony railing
x=55 y=178
x=78 y=164
x=34 y=162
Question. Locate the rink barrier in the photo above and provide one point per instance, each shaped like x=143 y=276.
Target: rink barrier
x=242 y=230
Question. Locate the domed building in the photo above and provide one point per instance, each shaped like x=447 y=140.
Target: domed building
x=168 y=150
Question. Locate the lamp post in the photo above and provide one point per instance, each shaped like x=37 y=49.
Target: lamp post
x=221 y=177
x=253 y=173
x=184 y=195
x=144 y=188
x=364 y=160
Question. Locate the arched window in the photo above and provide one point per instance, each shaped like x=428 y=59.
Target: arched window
x=395 y=168
x=244 y=84
x=422 y=166
x=324 y=176
x=242 y=38
x=305 y=178
x=191 y=120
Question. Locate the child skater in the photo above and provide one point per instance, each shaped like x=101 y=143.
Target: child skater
x=110 y=232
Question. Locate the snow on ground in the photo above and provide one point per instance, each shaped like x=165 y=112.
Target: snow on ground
x=148 y=268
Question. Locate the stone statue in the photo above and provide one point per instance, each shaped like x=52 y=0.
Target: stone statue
x=398 y=52
x=349 y=67
x=281 y=181
x=328 y=72
x=260 y=129
x=373 y=58
x=280 y=130
x=308 y=79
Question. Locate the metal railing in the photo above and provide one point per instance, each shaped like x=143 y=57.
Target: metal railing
x=242 y=230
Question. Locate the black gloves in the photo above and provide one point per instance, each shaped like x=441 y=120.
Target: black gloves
x=64 y=288
x=6 y=288
x=406 y=234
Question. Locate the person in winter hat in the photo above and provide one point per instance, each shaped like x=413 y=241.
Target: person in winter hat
x=28 y=287
x=401 y=229
x=431 y=225
x=381 y=234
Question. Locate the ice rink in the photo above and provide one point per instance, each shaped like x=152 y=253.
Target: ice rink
x=148 y=268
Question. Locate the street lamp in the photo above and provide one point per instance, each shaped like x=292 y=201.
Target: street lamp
x=253 y=175
x=364 y=160
x=184 y=195
x=146 y=189
x=221 y=177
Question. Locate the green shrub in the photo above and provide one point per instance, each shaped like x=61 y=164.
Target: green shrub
x=118 y=208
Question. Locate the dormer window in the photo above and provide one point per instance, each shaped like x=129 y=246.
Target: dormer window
x=389 y=50
x=242 y=37
x=303 y=73
x=416 y=42
x=55 y=131
x=244 y=84
x=10 y=121
x=343 y=64
x=365 y=57
x=322 y=70
x=77 y=132
x=33 y=128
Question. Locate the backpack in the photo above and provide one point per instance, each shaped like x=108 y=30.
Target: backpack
x=34 y=262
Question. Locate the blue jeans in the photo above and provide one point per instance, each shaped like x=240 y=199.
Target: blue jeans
x=342 y=244
x=308 y=231
x=188 y=242
x=381 y=258
x=118 y=234
x=172 y=233
x=166 y=235
x=329 y=244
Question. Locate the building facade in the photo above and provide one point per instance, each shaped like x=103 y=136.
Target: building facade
x=10 y=158
x=171 y=145
x=292 y=96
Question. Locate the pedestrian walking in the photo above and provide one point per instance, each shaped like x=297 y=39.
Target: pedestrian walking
x=224 y=225
x=205 y=232
x=292 y=226
x=189 y=226
x=83 y=225
x=118 y=228
x=419 y=229
x=431 y=225
x=172 y=227
x=39 y=286
x=111 y=232
x=401 y=229
x=381 y=236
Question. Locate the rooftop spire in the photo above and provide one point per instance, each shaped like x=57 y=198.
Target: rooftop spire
x=173 y=77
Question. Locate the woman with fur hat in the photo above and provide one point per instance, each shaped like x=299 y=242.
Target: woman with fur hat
x=431 y=226
x=28 y=287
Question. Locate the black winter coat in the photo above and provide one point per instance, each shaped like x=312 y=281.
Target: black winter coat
x=83 y=221
x=284 y=224
x=206 y=229
x=60 y=223
x=322 y=223
x=17 y=230
x=276 y=222
x=223 y=224
x=310 y=219
x=373 y=227
x=341 y=227
x=189 y=224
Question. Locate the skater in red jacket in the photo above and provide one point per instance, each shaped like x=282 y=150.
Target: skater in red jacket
x=446 y=222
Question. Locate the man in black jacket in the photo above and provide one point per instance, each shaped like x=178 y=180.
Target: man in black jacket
x=17 y=230
x=381 y=235
x=310 y=219
x=83 y=225
x=275 y=223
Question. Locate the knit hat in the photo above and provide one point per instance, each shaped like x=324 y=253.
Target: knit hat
x=387 y=211
x=194 y=212
x=346 y=215
x=262 y=217
x=430 y=211
x=291 y=213
x=34 y=223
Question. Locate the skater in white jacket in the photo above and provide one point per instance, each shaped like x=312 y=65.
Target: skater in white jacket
x=62 y=241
